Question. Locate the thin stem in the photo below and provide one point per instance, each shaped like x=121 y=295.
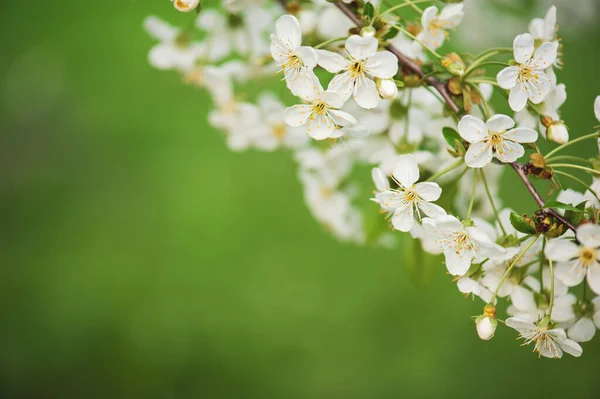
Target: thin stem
x=542 y=265
x=491 y=82
x=479 y=60
x=491 y=198
x=485 y=104
x=568 y=158
x=473 y=192
x=482 y=64
x=584 y=184
x=328 y=42
x=565 y=145
x=568 y=165
x=407 y=119
x=447 y=170
x=408 y=3
x=495 y=49
x=509 y=269
x=551 y=305
x=407 y=33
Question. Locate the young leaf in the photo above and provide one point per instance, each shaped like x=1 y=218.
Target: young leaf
x=576 y=217
x=560 y=205
x=450 y=135
x=521 y=224
x=369 y=11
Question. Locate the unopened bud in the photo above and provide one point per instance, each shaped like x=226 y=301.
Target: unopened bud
x=387 y=88
x=486 y=323
x=453 y=64
x=557 y=132
x=368 y=31
x=186 y=5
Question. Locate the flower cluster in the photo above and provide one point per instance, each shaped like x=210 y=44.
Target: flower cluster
x=367 y=86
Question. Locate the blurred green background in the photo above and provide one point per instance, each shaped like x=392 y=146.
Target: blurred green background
x=143 y=259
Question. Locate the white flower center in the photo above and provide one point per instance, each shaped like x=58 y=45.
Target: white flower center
x=587 y=256
x=357 y=69
x=544 y=342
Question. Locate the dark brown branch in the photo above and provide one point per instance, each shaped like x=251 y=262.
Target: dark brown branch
x=520 y=169
x=442 y=88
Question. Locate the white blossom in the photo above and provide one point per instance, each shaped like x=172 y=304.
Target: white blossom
x=296 y=61
x=410 y=196
x=548 y=342
x=435 y=26
x=358 y=69
x=576 y=262
x=527 y=80
x=494 y=138
x=321 y=118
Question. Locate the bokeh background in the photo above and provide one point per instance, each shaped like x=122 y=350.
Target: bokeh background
x=140 y=258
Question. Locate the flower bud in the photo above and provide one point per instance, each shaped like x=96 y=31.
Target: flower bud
x=368 y=31
x=486 y=327
x=557 y=131
x=186 y=5
x=387 y=88
x=453 y=64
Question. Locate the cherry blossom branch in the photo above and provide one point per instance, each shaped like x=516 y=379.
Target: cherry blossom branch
x=407 y=63
x=442 y=88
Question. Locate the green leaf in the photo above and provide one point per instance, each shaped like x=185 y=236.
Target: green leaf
x=560 y=205
x=369 y=11
x=521 y=224
x=451 y=135
x=576 y=217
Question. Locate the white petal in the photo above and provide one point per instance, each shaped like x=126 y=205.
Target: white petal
x=342 y=84
x=343 y=118
x=331 y=62
x=545 y=55
x=561 y=250
x=509 y=151
x=589 y=235
x=458 y=263
x=429 y=191
x=478 y=155
x=333 y=99
x=569 y=275
x=521 y=135
x=288 y=31
x=597 y=107
x=361 y=48
x=523 y=47
x=296 y=115
x=507 y=78
x=431 y=210
x=571 y=347
x=403 y=219
x=428 y=14
x=382 y=65
x=309 y=56
x=499 y=123
x=519 y=324
x=593 y=278
x=406 y=170
x=583 y=330
x=523 y=299
x=472 y=129
x=380 y=180
x=517 y=99
x=366 y=94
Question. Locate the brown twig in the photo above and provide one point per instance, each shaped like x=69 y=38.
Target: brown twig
x=520 y=169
